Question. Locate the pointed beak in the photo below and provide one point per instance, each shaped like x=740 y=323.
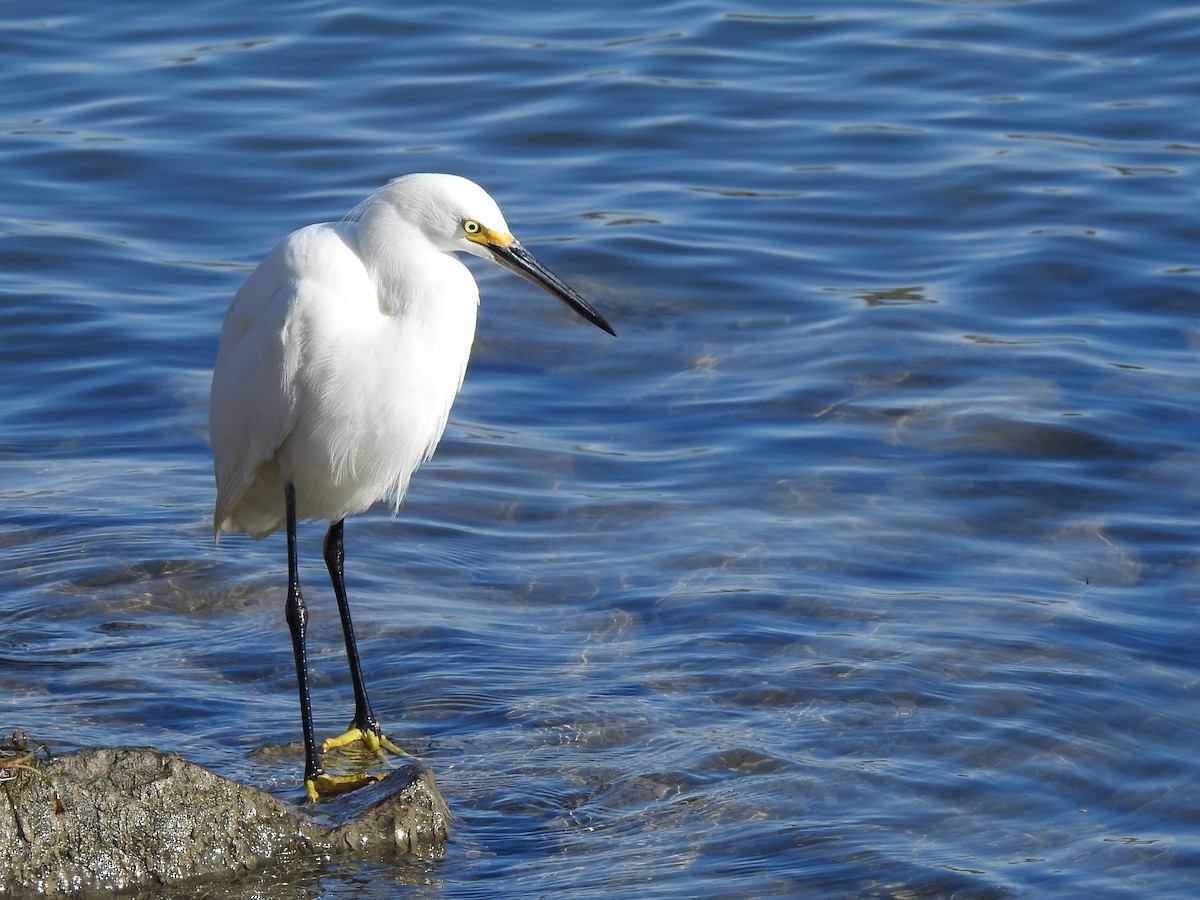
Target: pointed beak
x=510 y=254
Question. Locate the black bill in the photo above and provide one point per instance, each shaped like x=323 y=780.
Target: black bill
x=517 y=259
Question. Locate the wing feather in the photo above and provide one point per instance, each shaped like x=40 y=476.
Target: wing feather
x=253 y=403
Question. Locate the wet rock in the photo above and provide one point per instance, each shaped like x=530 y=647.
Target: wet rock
x=109 y=819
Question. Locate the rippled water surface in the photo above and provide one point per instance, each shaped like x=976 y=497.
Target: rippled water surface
x=863 y=562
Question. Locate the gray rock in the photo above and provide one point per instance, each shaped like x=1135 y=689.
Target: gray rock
x=110 y=819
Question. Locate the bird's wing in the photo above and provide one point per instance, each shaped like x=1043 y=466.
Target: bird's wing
x=253 y=403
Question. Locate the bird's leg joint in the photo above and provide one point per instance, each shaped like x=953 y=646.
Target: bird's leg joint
x=296 y=612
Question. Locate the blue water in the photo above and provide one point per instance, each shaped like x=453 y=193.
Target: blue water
x=864 y=561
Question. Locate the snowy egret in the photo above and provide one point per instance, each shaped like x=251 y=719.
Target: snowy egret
x=339 y=360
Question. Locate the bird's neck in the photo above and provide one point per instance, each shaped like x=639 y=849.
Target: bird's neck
x=408 y=272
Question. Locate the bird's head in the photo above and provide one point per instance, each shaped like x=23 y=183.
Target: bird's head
x=457 y=215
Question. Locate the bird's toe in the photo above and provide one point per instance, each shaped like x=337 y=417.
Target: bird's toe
x=371 y=739
x=325 y=786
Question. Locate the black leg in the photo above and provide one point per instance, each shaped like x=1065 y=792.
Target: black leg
x=335 y=557
x=297 y=619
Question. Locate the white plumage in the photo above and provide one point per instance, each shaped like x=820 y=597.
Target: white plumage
x=340 y=358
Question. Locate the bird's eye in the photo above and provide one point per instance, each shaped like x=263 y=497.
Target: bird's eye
x=470 y=226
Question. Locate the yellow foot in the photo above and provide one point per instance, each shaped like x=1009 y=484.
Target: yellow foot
x=370 y=739
x=325 y=786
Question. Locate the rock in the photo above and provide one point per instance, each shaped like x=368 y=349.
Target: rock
x=110 y=819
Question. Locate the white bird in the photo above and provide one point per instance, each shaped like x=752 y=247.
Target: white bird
x=339 y=360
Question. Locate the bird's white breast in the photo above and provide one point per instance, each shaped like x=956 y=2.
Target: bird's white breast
x=377 y=375
x=352 y=369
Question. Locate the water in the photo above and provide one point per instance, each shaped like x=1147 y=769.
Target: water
x=863 y=563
